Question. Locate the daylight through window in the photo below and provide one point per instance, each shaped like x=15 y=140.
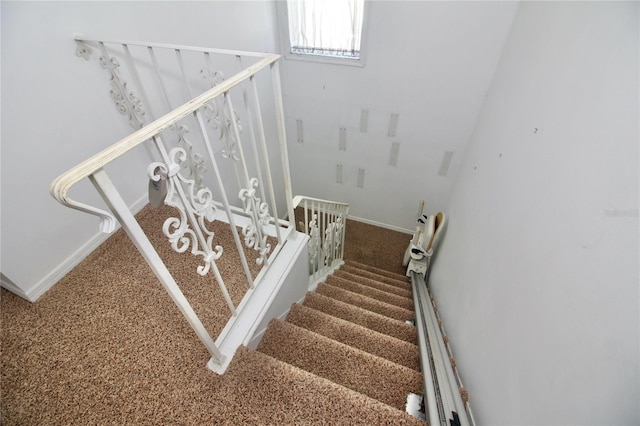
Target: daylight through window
x=326 y=27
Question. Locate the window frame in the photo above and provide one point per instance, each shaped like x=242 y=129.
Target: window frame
x=285 y=40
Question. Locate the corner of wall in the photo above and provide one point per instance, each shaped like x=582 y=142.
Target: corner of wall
x=34 y=293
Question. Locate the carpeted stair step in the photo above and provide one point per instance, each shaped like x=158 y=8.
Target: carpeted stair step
x=375 y=270
x=365 y=302
x=390 y=288
x=360 y=316
x=400 y=291
x=374 y=293
x=269 y=391
x=361 y=272
x=373 y=342
x=368 y=374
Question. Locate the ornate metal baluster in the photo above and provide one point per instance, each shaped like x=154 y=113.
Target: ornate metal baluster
x=254 y=232
x=218 y=117
x=195 y=206
x=194 y=163
x=126 y=101
x=313 y=244
x=327 y=255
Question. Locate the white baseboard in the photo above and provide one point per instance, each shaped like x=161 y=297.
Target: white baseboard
x=69 y=263
x=5 y=282
x=381 y=225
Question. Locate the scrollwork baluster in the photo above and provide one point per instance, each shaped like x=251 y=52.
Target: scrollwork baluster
x=126 y=101
x=314 y=243
x=194 y=163
x=195 y=205
x=254 y=232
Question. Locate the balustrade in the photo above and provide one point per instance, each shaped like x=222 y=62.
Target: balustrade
x=324 y=221
x=212 y=161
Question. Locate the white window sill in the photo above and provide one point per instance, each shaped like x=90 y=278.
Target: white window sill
x=334 y=60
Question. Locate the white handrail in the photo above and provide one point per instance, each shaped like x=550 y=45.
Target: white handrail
x=62 y=184
x=181 y=171
x=299 y=198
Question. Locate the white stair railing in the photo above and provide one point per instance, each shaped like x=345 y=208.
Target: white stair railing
x=174 y=100
x=324 y=221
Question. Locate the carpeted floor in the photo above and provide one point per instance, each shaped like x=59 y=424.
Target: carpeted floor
x=107 y=345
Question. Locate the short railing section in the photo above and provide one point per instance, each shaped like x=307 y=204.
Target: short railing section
x=325 y=223
x=216 y=121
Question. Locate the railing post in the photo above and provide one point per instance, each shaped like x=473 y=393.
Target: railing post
x=282 y=134
x=118 y=206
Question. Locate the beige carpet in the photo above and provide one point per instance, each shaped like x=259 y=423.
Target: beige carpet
x=106 y=345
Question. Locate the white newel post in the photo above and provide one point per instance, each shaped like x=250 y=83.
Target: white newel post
x=118 y=206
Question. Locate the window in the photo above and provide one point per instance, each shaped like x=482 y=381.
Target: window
x=323 y=30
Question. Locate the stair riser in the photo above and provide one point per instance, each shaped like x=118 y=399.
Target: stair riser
x=382 y=345
x=368 y=319
x=367 y=303
x=398 y=288
x=390 y=298
x=373 y=276
x=341 y=363
x=378 y=271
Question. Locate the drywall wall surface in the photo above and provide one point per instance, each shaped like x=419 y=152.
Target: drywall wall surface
x=537 y=275
x=57 y=112
x=428 y=67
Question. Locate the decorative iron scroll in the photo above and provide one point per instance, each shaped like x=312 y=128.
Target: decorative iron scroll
x=194 y=164
x=332 y=241
x=314 y=242
x=126 y=103
x=327 y=246
x=213 y=77
x=195 y=206
x=219 y=117
x=254 y=233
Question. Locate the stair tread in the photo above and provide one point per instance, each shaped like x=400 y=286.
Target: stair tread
x=279 y=393
x=374 y=293
x=373 y=342
x=364 y=273
x=365 y=302
x=376 y=270
x=400 y=291
x=360 y=316
x=364 y=279
x=341 y=363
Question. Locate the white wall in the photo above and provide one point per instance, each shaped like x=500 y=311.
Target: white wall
x=56 y=112
x=429 y=62
x=537 y=276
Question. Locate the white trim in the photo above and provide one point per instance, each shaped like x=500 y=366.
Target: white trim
x=381 y=225
x=6 y=283
x=257 y=303
x=257 y=336
x=69 y=263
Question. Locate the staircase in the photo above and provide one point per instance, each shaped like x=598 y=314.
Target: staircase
x=345 y=355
